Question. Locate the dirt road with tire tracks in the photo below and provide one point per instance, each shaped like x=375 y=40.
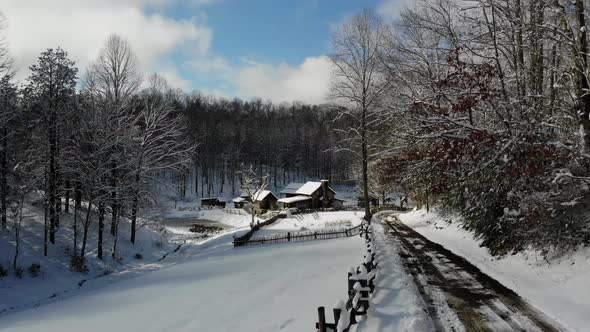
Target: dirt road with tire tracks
x=458 y=296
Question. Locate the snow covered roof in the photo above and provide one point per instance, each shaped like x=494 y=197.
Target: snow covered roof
x=239 y=199
x=294 y=199
x=311 y=187
x=292 y=188
x=262 y=194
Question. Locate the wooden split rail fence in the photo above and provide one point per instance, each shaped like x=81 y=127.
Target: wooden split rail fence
x=361 y=285
x=297 y=236
x=238 y=241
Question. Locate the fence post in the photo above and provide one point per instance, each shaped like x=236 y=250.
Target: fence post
x=337 y=312
x=321 y=319
x=288 y=236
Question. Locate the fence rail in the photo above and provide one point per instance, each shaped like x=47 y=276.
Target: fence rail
x=361 y=284
x=299 y=236
x=238 y=241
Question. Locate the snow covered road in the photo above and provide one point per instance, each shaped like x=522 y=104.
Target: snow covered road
x=460 y=297
x=266 y=288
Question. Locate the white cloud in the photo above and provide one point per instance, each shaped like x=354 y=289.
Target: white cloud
x=308 y=82
x=390 y=9
x=174 y=79
x=81 y=27
x=210 y=64
x=163 y=44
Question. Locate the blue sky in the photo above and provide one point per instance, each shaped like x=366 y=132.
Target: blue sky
x=273 y=49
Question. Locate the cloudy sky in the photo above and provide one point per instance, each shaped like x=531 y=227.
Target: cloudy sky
x=273 y=49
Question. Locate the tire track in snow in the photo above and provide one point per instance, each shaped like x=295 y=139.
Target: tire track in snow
x=480 y=302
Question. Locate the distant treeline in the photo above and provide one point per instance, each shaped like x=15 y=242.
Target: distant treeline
x=287 y=142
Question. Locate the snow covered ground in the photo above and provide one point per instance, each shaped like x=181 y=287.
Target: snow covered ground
x=558 y=287
x=215 y=288
x=396 y=304
x=313 y=221
x=55 y=278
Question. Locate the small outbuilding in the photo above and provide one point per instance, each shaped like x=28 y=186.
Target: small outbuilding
x=239 y=202
x=212 y=202
x=373 y=201
x=264 y=200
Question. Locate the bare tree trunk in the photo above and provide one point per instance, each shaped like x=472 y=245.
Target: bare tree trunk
x=134 y=208
x=3 y=179
x=101 y=213
x=114 y=204
x=52 y=183
x=85 y=234
x=67 y=197
x=365 y=164
x=75 y=227
x=583 y=104
x=78 y=195
x=18 y=221
x=115 y=238
x=45 y=227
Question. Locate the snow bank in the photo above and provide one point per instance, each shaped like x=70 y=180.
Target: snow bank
x=559 y=287
x=396 y=304
x=318 y=220
x=55 y=278
x=219 y=289
x=229 y=217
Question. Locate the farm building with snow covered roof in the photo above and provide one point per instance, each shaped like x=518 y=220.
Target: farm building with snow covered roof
x=309 y=195
x=291 y=189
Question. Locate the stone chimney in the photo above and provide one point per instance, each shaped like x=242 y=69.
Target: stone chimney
x=326 y=202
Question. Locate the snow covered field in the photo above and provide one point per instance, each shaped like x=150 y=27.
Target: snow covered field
x=558 y=287
x=313 y=221
x=218 y=288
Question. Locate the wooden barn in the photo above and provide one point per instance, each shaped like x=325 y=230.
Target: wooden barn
x=265 y=200
x=212 y=202
x=310 y=195
x=239 y=202
x=291 y=189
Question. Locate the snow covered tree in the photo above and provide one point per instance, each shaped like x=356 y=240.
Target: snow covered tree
x=50 y=95
x=160 y=142
x=357 y=82
x=252 y=185
x=116 y=79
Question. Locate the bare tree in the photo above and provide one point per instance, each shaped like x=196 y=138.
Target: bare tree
x=117 y=78
x=7 y=114
x=253 y=185
x=359 y=84
x=160 y=142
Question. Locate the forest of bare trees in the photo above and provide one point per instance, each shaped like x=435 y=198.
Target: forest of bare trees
x=286 y=142
x=92 y=146
x=73 y=146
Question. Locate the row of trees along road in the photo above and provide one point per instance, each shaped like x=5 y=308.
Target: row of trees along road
x=483 y=109
x=88 y=147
